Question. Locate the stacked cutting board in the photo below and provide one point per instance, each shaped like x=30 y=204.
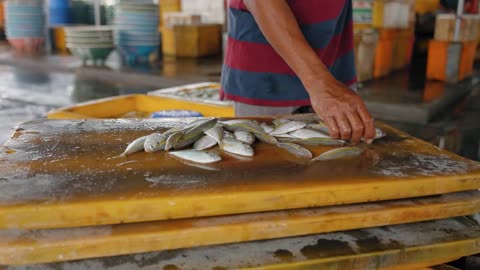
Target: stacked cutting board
x=64 y=196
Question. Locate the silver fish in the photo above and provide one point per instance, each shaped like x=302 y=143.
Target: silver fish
x=172 y=131
x=202 y=125
x=237 y=147
x=204 y=143
x=244 y=125
x=196 y=123
x=307 y=133
x=314 y=141
x=197 y=156
x=252 y=127
x=288 y=127
x=296 y=149
x=135 y=146
x=155 y=142
x=215 y=133
x=173 y=140
x=266 y=138
x=284 y=136
x=228 y=134
x=194 y=134
x=267 y=128
x=320 y=127
x=379 y=133
x=343 y=152
x=244 y=136
x=280 y=121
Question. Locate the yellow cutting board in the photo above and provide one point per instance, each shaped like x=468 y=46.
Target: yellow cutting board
x=62 y=173
x=54 y=245
x=399 y=247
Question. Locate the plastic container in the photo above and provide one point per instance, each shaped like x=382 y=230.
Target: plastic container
x=450 y=61
x=175 y=113
x=192 y=40
x=118 y=107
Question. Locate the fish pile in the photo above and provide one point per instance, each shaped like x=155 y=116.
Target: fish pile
x=205 y=93
x=237 y=136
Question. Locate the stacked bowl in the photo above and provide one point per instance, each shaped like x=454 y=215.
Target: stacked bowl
x=90 y=42
x=25 y=25
x=137 y=35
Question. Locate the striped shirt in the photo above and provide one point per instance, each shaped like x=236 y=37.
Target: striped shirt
x=253 y=73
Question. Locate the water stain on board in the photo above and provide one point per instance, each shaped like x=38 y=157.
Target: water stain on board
x=326 y=248
x=283 y=255
x=170 y=267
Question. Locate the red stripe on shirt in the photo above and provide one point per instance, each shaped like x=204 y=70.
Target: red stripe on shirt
x=306 y=11
x=237 y=4
x=257 y=57
x=315 y=11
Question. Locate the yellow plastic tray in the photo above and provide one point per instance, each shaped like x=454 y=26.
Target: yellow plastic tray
x=137 y=106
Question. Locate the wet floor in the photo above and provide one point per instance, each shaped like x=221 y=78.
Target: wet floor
x=27 y=94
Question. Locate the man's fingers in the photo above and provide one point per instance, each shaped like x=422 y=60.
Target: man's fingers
x=368 y=124
x=357 y=126
x=344 y=125
x=332 y=128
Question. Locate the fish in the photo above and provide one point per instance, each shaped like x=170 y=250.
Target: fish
x=307 y=133
x=267 y=128
x=196 y=123
x=314 y=141
x=135 y=146
x=155 y=142
x=237 y=147
x=244 y=125
x=379 y=133
x=280 y=121
x=288 y=127
x=244 y=136
x=194 y=134
x=204 y=143
x=320 y=126
x=197 y=156
x=172 y=131
x=202 y=125
x=173 y=140
x=215 y=133
x=266 y=138
x=343 y=152
x=284 y=136
x=228 y=134
x=296 y=149
x=252 y=127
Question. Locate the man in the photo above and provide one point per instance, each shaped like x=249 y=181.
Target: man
x=284 y=54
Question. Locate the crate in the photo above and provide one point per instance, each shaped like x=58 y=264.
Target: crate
x=393 y=14
x=192 y=40
x=425 y=6
x=137 y=106
x=445 y=27
x=166 y=6
x=384 y=53
x=402 y=46
x=176 y=93
x=450 y=61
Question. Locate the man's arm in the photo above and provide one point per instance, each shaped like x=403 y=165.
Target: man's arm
x=341 y=108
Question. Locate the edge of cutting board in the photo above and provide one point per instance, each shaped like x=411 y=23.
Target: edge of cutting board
x=45 y=246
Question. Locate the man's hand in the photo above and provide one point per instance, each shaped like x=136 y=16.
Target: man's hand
x=343 y=111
